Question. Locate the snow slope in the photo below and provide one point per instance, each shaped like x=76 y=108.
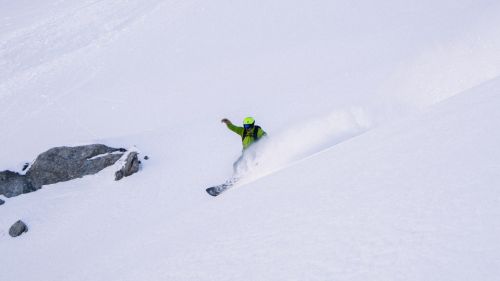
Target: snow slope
x=344 y=191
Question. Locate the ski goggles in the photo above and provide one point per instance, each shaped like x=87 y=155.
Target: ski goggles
x=248 y=126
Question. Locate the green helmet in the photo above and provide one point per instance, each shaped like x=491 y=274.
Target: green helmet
x=248 y=121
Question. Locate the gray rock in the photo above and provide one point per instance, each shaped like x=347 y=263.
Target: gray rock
x=130 y=167
x=1 y=202
x=13 y=184
x=18 y=228
x=67 y=163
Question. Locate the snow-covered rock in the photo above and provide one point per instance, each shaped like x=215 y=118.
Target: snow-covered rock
x=131 y=166
x=66 y=163
x=61 y=164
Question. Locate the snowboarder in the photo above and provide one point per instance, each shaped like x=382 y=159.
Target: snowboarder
x=250 y=134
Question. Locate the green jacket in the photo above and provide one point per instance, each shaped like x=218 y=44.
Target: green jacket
x=248 y=139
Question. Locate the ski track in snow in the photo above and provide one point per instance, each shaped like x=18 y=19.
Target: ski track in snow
x=46 y=41
x=34 y=53
x=46 y=61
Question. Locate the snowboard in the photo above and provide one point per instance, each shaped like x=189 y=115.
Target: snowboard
x=218 y=189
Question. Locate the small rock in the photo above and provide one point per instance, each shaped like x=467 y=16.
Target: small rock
x=25 y=166
x=1 y=202
x=118 y=175
x=146 y=157
x=18 y=228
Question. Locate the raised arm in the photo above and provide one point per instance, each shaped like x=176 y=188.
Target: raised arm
x=230 y=126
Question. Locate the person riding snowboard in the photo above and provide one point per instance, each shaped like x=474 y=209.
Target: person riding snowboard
x=250 y=134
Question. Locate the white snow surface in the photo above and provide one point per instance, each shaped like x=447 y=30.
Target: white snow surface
x=382 y=161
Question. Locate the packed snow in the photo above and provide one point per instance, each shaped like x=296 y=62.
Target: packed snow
x=381 y=161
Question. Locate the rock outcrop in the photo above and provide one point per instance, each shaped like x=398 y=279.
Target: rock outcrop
x=1 y=202
x=63 y=164
x=18 y=228
x=130 y=167
x=67 y=163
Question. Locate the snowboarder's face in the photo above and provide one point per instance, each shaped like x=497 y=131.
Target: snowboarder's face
x=248 y=126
